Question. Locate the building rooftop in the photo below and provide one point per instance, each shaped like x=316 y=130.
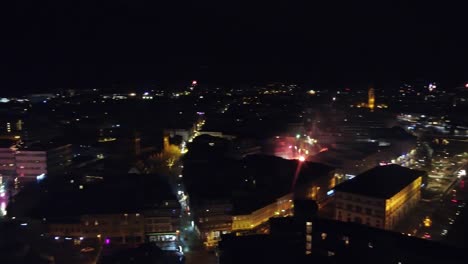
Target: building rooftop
x=129 y=193
x=381 y=181
x=44 y=146
x=7 y=143
x=251 y=183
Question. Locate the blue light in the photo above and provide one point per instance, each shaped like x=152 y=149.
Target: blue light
x=331 y=192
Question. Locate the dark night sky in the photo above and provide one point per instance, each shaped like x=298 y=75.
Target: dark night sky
x=54 y=44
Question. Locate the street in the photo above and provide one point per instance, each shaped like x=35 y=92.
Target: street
x=443 y=200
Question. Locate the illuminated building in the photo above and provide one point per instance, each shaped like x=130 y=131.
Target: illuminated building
x=40 y=159
x=126 y=209
x=28 y=162
x=126 y=228
x=7 y=158
x=370 y=102
x=244 y=214
x=371 y=99
x=380 y=197
x=281 y=207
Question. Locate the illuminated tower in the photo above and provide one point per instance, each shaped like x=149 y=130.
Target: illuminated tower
x=371 y=102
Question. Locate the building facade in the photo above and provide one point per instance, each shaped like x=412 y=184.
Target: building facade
x=33 y=162
x=379 y=208
x=282 y=206
x=7 y=162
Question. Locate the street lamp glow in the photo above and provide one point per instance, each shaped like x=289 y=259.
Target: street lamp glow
x=301 y=158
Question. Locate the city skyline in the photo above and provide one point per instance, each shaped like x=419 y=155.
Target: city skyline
x=206 y=132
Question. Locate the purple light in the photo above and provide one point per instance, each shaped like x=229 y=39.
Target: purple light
x=107 y=241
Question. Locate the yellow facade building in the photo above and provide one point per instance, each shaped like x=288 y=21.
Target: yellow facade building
x=281 y=207
x=380 y=197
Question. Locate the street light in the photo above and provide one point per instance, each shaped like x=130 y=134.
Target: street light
x=427 y=222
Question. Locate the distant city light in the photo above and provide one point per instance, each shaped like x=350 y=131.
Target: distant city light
x=311 y=92
x=107 y=241
x=331 y=192
x=301 y=158
x=132 y=94
x=194 y=82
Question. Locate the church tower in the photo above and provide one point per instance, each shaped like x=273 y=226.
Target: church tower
x=371 y=99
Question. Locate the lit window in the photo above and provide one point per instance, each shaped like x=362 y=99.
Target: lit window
x=346 y=240
x=370 y=245
x=324 y=236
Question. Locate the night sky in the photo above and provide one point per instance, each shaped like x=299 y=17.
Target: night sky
x=87 y=44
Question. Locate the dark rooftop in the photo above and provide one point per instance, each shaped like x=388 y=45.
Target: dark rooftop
x=44 y=146
x=250 y=183
x=115 y=194
x=381 y=181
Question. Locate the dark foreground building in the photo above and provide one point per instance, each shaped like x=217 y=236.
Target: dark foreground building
x=315 y=240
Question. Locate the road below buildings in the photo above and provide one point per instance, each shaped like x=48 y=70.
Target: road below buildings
x=192 y=245
x=434 y=217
